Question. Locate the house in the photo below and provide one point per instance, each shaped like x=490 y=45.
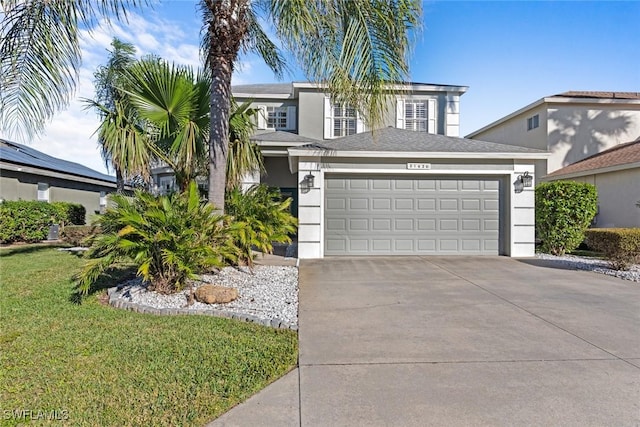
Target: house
x=616 y=174
x=571 y=126
x=28 y=174
x=410 y=187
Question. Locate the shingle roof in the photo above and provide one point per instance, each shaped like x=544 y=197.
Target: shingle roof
x=595 y=94
x=281 y=136
x=21 y=154
x=619 y=155
x=265 y=88
x=400 y=140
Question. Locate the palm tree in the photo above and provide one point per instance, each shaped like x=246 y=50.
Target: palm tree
x=40 y=56
x=244 y=155
x=353 y=47
x=108 y=81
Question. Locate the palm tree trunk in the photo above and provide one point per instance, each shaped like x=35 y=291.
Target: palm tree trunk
x=119 y=180
x=221 y=70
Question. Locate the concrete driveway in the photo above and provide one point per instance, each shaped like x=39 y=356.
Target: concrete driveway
x=449 y=341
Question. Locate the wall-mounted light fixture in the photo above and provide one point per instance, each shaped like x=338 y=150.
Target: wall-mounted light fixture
x=308 y=181
x=524 y=180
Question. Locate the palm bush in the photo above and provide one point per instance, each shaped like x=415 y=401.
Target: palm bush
x=259 y=218
x=169 y=238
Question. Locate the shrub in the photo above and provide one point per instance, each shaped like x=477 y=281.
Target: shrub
x=70 y=213
x=26 y=220
x=260 y=218
x=78 y=235
x=564 y=210
x=620 y=246
x=169 y=239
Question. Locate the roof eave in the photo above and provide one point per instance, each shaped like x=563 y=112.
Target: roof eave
x=592 y=172
x=20 y=167
x=296 y=152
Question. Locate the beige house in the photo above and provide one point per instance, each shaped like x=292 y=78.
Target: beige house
x=571 y=126
x=28 y=174
x=616 y=174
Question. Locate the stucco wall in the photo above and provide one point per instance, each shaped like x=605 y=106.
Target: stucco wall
x=278 y=173
x=618 y=193
x=22 y=186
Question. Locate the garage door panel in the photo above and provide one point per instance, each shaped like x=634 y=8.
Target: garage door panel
x=407 y=215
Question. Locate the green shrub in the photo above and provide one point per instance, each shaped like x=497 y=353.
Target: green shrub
x=70 y=213
x=78 y=235
x=620 y=246
x=26 y=220
x=260 y=218
x=564 y=210
x=169 y=238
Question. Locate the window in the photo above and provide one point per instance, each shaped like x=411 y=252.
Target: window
x=344 y=120
x=277 y=118
x=533 y=122
x=415 y=116
x=43 y=192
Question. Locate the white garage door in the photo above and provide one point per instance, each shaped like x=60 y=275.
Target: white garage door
x=393 y=215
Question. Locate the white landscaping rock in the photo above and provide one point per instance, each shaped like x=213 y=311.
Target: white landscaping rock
x=596 y=265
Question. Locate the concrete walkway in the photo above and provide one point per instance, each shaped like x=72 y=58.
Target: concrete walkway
x=449 y=341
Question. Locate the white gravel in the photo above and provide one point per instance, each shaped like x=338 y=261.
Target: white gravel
x=270 y=293
x=591 y=264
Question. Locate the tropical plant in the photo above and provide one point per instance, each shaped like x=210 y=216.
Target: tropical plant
x=259 y=217
x=40 y=56
x=564 y=210
x=108 y=80
x=354 y=47
x=244 y=155
x=169 y=238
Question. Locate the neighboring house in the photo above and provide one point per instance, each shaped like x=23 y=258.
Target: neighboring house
x=571 y=125
x=616 y=174
x=28 y=174
x=412 y=187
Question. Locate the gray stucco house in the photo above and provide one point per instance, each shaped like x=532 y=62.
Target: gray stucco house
x=411 y=187
x=28 y=174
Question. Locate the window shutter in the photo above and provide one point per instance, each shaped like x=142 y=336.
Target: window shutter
x=328 y=125
x=291 y=118
x=400 y=114
x=262 y=116
x=43 y=192
x=431 y=114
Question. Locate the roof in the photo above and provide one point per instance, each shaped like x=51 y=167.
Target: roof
x=21 y=154
x=281 y=136
x=601 y=95
x=394 y=140
x=265 y=88
x=617 y=157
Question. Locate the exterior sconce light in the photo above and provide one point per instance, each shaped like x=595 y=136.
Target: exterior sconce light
x=524 y=180
x=308 y=181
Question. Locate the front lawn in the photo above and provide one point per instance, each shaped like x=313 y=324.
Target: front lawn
x=100 y=366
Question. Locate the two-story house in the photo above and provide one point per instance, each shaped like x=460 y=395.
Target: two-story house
x=582 y=131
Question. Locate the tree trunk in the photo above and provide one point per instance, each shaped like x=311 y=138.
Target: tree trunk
x=221 y=71
x=119 y=180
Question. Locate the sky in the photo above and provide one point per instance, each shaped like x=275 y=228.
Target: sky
x=509 y=54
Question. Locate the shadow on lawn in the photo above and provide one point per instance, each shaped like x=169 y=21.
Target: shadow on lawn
x=108 y=279
x=7 y=251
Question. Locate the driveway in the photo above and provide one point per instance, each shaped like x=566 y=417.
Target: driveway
x=452 y=341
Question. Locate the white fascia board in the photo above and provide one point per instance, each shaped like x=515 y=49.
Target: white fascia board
x=285 y=145
x=508 y=117
x=592 y=172
x=44 y=172
x=414 y=154
x=395 y=87
x=263 y=95
x=275 y=153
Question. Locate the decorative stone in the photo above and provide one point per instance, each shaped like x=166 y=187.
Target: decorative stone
x=211 y=294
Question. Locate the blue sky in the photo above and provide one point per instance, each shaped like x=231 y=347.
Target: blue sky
x=509 y=54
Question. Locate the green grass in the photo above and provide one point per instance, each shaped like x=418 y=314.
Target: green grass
x=104 y=366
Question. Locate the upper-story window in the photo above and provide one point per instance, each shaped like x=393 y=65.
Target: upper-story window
x=415 y=116
x=418 y=115
x=533 y=122
x=277 y=118
x=344 y=120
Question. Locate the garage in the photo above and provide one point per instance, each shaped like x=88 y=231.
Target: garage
x=405 y=215
x=399 y=192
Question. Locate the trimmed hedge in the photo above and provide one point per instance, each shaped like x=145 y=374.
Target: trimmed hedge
x=564 y=210
x=29 y=220
x=620 y=246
